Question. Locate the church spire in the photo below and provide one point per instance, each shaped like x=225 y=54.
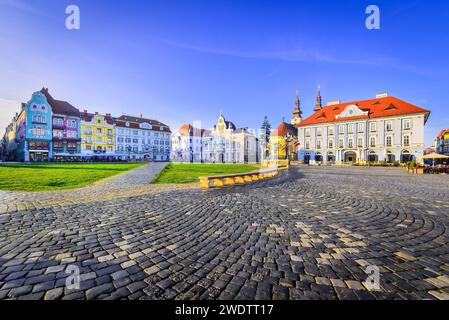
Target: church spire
x=297 y=112
x=296 y=119
x=318 y=104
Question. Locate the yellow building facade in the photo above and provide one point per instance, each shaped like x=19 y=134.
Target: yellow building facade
x=97 y=135
x=283 y=141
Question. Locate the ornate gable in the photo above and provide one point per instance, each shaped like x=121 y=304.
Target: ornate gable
x=352 y=111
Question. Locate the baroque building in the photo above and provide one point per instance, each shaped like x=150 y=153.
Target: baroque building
x=97 y=136
x=66 y=129
x=224 y=143
x=139 y=138
x=31 y=131
x=187 y=144
x=381 y=129
x=228 y=144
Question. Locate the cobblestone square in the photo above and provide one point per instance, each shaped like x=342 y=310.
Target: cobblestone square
x=309 y=233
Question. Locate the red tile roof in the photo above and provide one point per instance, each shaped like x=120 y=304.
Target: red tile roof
x=135 y=121
x=282 y=130
x=59 y=106
x=376 y=108
x=442 y=132
x=185 y=131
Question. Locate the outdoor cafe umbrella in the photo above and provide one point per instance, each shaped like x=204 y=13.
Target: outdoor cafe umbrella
x=434 y=156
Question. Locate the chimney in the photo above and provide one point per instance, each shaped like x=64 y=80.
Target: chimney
x=85 y=111
x=141 y=116
x=333 y=102
x=382 y=95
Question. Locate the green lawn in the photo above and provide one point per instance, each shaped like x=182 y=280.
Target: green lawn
x=188 y=173
x=49 y=176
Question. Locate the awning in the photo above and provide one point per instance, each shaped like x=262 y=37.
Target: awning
x=434 y=155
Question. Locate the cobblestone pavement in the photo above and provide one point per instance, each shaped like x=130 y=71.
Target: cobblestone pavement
x=308 y=233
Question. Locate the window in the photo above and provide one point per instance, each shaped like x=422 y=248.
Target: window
x=72 y=134
x=38 y=119
x=135 y=140
x=120 y=139
x=372 y=142
x=318 y=144
x=99 y=130
x=406 y=140
x=372 y=127
x=109 y=132
x=57 y=122
x=331 y=131
x=109 y=141
x=71 y=124
x=350 y=128
x=88 y=130
x=88 y=139
x=331 y=144
x=135 y=132
x=360 y=127
x=307 y=144
x=318 y=131
x=58 y=133
x=389 y=126
x=407 y=124
x=341 y=143
x=360 y=142
x=341 y=129
x=99 y=140
x=307 y=132
x=89 y=148
x=350 y=143
x=388 y=141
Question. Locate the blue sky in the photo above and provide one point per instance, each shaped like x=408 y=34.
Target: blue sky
x=182 y=61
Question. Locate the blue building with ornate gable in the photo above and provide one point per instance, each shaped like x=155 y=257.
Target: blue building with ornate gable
x=34 y=130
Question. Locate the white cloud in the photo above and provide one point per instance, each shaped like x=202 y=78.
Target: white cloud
x=24 y=7
x=7 y=110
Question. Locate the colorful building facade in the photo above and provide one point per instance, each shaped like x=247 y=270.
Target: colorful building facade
x=33 y=131
x=47 y=129
x=97 y=136
x=283 y=141
x=66 y=129
x=442 y=142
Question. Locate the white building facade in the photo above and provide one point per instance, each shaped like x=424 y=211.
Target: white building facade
x=381 y=129
x=227 y=144
x=224 y=143
x=138 y=138
x=187 y=144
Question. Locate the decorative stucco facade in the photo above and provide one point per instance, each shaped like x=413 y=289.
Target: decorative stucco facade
x=381 y=129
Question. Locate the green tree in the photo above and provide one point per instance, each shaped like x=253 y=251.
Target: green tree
x=266 y=129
